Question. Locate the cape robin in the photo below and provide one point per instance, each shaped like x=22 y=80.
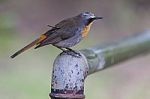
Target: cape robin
x=65 y=34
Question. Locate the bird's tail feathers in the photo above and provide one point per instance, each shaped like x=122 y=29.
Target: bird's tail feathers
x=35 y=42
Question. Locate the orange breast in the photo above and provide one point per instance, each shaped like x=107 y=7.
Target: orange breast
x=86 y=30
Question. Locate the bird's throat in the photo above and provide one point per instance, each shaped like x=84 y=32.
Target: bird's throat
x=86 y=30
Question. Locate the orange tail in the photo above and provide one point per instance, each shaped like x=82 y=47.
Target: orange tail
x=35 y=42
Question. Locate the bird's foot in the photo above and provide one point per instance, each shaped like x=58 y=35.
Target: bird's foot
x=72 y=53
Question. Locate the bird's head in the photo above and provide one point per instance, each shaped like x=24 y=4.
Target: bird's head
x=88 y=17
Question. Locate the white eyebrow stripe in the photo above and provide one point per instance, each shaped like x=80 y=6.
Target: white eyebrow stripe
x=92 y=15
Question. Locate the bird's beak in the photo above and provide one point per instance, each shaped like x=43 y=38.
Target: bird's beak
x=96 y=18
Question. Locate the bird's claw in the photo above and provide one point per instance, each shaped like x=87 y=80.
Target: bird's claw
x=73 y=53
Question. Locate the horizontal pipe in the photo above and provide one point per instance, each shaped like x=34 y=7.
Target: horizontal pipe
x=102 y=57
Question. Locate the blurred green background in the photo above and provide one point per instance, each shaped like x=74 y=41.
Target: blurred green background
x=28 y=75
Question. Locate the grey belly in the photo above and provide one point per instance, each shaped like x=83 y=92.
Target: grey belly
x=69 y=42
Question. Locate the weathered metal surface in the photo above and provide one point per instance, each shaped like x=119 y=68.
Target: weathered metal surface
x=69 y=72
x=95 y=61
x=68 y=77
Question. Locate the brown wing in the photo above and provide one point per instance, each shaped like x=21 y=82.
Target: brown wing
x=67 y=29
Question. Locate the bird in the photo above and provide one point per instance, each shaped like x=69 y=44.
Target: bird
x=65 y=34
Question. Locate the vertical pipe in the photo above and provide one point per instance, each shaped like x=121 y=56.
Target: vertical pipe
x=68 y=77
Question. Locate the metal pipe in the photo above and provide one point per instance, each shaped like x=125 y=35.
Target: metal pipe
x=68 y=77
x=69 y=72
x=108 y=55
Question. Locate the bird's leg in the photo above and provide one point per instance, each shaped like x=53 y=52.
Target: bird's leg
x=74 y=52
x=68 y=51
x=60 y=48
